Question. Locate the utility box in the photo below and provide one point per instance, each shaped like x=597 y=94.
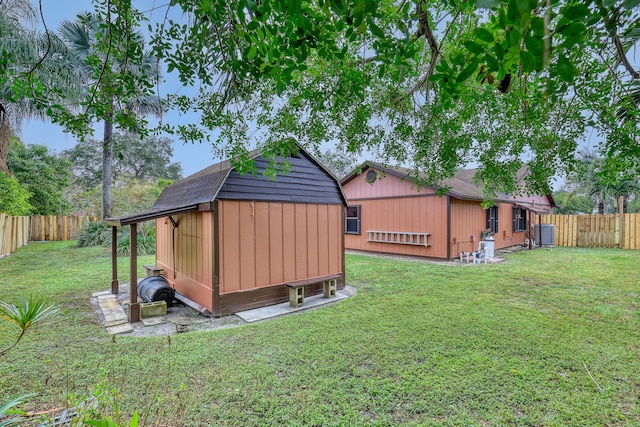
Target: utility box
x=489 y=246
x=545 y=234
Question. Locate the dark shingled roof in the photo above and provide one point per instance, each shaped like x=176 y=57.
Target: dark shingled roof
x=461 y=186
x=202 y=187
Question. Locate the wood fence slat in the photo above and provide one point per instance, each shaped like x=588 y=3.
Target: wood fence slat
x=595 y=230
x=18 y=231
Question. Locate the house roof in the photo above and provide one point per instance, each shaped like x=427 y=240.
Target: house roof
x=460 y=186
x=197 y=191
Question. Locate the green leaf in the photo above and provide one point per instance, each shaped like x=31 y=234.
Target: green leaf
x=484 y=35
x=528 y=61
x=577 y=11
x=375 y=30
x=512 y=12
x=566 y=72
x=467 y=71
x=253 y=51
x=491 y=62
x=630 y=4
x=523 y=6
x=474 y=47
x=534 y=44
x=487 y=4
x=514 y=37
x=573 y=29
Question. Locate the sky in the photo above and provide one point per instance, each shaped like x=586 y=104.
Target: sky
x=192 y=157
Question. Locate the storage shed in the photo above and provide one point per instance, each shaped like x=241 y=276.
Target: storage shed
x=231 y=241
x=393 y=215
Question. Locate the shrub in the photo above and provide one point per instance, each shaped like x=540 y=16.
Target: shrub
x=99 y=234
x=95 y=234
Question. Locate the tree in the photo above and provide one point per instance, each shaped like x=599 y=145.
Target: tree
x=148 y=158
x=572 y=204
x=602 y=182
x=23 y=52
x=130 y=195
x=429 y=84
x=14 y=197
x=45 y=175
x=119 y=77
x=338 y=162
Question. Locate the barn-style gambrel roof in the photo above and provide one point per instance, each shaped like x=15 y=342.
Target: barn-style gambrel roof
x=306 y=182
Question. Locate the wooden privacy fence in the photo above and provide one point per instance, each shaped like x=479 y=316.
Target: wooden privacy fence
x=14 y=233
x=17 y=231
x=601 y=231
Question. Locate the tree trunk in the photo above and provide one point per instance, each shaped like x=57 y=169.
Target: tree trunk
x=5 y=132
x=600 y=207
x=107 y=168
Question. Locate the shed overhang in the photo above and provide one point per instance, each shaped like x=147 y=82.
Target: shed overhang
x=155 y=214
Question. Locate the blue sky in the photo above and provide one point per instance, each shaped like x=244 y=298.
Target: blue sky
x=192 y=157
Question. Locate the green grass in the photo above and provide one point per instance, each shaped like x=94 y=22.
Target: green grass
x=549 y=338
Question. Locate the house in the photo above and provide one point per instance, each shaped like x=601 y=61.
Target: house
x=230 y=242
x=388 y=213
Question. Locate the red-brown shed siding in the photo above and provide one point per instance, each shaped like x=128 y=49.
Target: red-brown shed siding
x=389 y=186
x=468 y=219
x=269 y=243
x=424 y=214
x=193 y=255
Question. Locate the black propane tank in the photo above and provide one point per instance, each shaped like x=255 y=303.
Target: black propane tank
x=155 y=288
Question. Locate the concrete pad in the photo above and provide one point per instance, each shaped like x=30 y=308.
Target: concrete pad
x=106 y=296
x=120 y=329
x=110 y=317
x=101 y=293
x=271 y=311
x=152 y=321
x=115 y=322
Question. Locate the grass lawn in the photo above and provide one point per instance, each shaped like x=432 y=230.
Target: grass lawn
x=549 y=338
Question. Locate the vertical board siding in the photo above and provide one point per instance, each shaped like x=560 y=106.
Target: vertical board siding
x=597 y=230
x=269 y=243
x=193 y=273
x=389 y=186
x=468 y=219
x=407 y=214
x=276 y=245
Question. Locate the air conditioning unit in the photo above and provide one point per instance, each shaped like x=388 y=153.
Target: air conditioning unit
x=545 y=234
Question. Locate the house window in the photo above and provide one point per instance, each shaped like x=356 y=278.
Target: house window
x=519 y=219
x=492 y=219
x=352 y=220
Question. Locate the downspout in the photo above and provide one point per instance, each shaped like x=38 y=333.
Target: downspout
x=448 y=227
x=174 y=225
x=215 y=303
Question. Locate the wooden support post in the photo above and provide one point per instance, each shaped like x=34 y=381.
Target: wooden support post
x=114 y=260
x=134 y=305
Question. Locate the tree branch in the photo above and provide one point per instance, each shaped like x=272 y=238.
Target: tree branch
x=623 y=57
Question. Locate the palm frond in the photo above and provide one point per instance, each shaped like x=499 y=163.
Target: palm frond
x=31 y=311
x=4 y=410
